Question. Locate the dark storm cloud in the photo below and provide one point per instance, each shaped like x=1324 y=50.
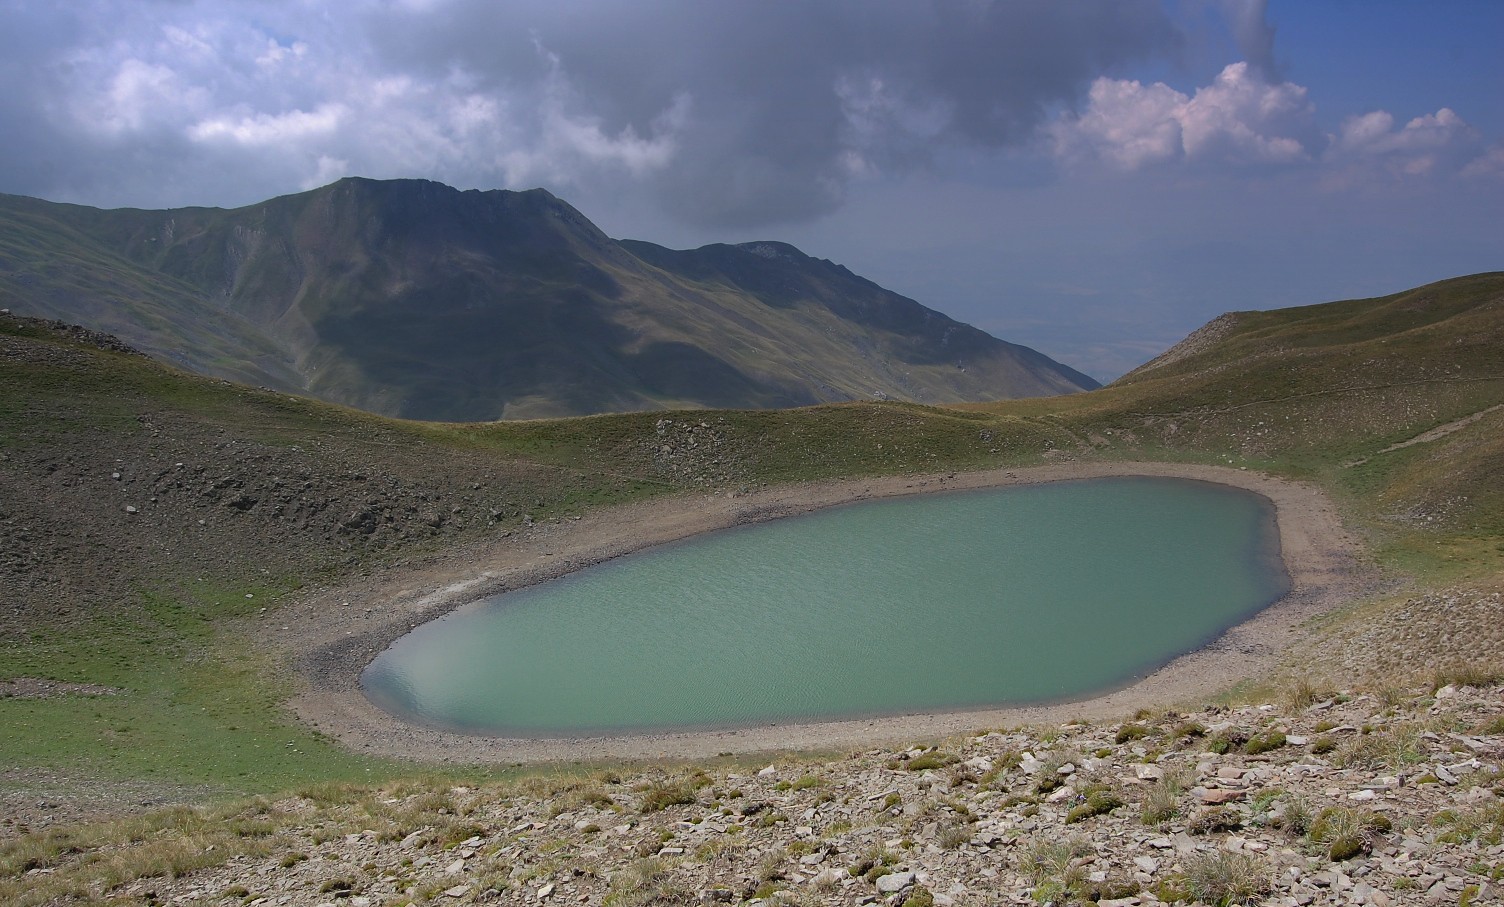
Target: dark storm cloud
x=34 y=153
x=1249 y=21
x=786 y=102
x=729 y=113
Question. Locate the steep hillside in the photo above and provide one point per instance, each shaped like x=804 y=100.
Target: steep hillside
x=51 y=270
x=410 y=298
x=885 y=327
x=1395 y=402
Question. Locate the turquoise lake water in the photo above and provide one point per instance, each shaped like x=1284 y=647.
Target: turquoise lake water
x=927 y=603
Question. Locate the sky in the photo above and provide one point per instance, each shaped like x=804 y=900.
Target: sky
x=1093 y=179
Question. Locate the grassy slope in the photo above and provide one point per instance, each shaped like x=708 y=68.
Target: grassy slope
x=815 y=323
x=1300 y=392
x=146 y=602
x=50 y=269
x=1309 y=391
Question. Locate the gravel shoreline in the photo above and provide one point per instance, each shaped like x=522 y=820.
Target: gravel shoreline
x=330 y=635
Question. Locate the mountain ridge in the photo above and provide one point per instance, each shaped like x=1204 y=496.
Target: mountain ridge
x=411 y=298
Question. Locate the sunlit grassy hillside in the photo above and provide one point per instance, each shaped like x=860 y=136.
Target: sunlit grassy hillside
x=1330 y=392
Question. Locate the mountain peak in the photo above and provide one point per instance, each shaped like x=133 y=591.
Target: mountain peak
x=773 y=251
x=412 y=298
x=437 y=195
x=413 y=187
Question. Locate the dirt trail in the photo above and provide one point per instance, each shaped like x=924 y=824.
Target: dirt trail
x=331 y=635
x=1435 y=434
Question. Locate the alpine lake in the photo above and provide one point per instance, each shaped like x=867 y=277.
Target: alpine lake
x=929 y=603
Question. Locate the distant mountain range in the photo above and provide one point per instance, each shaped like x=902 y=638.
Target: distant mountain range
x=413 y=299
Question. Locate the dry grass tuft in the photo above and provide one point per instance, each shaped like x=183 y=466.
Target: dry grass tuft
x=1224 y=879
x=84 y=861
x=1162 y=799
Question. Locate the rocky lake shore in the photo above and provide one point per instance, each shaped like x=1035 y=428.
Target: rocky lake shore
x=1386 y=797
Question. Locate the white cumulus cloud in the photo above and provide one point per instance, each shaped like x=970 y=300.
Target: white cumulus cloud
x=271 y=129
x=1426 y=144
x=1126 y=123
x=1242 y=120
x=1488 y=164
x=1374 y=133
x=1238 y=119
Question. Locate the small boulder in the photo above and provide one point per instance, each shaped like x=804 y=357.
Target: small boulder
x=895 y=881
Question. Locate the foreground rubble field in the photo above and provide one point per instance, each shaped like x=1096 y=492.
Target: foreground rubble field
x=1380 y=798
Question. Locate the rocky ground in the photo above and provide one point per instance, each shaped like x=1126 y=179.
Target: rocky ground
x=251 y=483
x=1385 y=644
x=1349 y=798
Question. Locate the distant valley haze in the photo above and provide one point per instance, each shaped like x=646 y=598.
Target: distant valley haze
x=1090 y=179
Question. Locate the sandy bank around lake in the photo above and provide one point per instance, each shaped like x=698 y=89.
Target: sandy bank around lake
x=331 y=635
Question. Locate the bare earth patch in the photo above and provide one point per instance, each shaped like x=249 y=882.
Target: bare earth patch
x=37 y=799
x=331 y=635
x=38 y=688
